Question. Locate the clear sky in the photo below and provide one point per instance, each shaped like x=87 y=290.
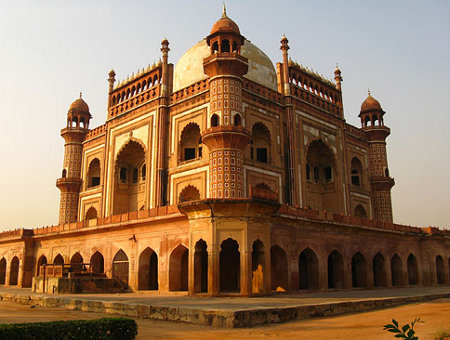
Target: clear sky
x=52 y=50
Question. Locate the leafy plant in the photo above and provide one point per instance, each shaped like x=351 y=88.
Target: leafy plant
x=443 y=335
x=406 y=332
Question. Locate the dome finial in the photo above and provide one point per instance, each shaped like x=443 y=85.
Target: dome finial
x=368 y=91
x=224 y=11
x=81 y=94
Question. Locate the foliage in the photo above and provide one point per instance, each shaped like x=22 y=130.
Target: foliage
x=100 y=329
x=406 y=332
x=443 y=335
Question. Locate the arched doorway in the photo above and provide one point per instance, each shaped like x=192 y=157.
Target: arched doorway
x=412 y=270
x=41 y=261
x=201 y=267
x=308 y=270
x=129 y=195
x=230 y=266
x=279 y=268
x=440 y=271
x=335 y=270
x=76 y=262
x=178 y=269
x=396 y=270
x=97 y=263
x=148 y=270
x=14 y=271
x=120 y=267
x=379 y=271
x=358 y=270
x=91 y=213
x=58 y=259
x=360 y=211
x=258 y=267
x=2 y=271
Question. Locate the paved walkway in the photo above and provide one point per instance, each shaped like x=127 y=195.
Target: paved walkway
x=230 y=311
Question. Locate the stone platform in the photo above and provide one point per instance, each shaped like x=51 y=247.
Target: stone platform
x=230 y=312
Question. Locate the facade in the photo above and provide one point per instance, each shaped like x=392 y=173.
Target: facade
x=226 y=175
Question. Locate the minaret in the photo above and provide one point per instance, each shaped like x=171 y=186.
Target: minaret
x=381 y=183
x=225 y=136
x=70 y=182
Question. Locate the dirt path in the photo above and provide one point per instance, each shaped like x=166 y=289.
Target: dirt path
x=367 y=326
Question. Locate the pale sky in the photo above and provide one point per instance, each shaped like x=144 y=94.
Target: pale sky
x=52 y=50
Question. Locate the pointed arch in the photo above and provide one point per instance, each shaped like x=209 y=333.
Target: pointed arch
x=201 y=267
x=360 y=211
x=2 y=271
x=40 y=262
x=335 y=270
x=258 y=266
x=356 y=172
x=279 y=268
x=396 y=270
x=189 y=142
x=359 y=275
x=93 y=177
x=97 y=263
x=440 y=271
x=91 y=213
x=308 y=270
x=379 y=271
x=58 y=259
x=260 y=143
x=148 y=270
x=120 y=267
x=413 y=277
x=178 y=269
x=76 y=262
x=230 y=266
x=14 y=271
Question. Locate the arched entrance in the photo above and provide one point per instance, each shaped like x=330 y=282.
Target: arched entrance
x=396 y=270
x=120 y=267
x=412 y=270
x=76 y=262
x=359 y=270
x=258 y=267
x=58 y=259
x=178 y=269
x=148 y=270
x=42 y=260
x=335 y=270
x=201 y=267
x=14 y=271
x=440 y=271
x=2 y=271
x=230 y=266
x=279 y=268
x=379 y=271
x=308 y=270
x=97 y=263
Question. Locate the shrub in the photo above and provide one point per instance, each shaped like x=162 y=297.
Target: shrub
x=406 y=332
x=100 y=329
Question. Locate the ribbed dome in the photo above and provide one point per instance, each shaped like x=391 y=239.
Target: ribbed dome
x=370 y=104
x=189 y=68
x=80 y=106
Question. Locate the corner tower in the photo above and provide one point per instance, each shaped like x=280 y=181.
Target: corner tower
x=74 y=133
x=372 y=122
x=225 y=137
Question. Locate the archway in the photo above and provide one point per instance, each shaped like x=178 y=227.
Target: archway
x=97 y=263
x=379 y=271
x=120 y=267
x=91 y=213
x=412 y=270
x=335 y=270
x=129 y=195
x=260 y=143
x=2 y=271
x=440 y=271
x=148 y=270
x=76 y=262
x=93 y=177
x=308 y=270
x=230 y=266
x=178 y=269
x=356 y=172
x=41 y=261
x=396 y=270
x=201 y=267
x=360 y=211
x=190 y=148
x=14 y=271
x=358 y=270
x=189 y=193
x=279 y=268
x=258 y=267
x=58 y=259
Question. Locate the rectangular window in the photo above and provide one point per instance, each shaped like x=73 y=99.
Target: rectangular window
x=135 y=175
x=123 y=174
x=261 y=155
x=316 y=173
x=328 y=174
x=95 y=181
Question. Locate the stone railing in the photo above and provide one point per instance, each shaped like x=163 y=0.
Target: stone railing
x=95 y=132
x=189 y=91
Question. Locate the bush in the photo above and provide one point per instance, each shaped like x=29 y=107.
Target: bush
x=106 y=328
x=406 y=332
